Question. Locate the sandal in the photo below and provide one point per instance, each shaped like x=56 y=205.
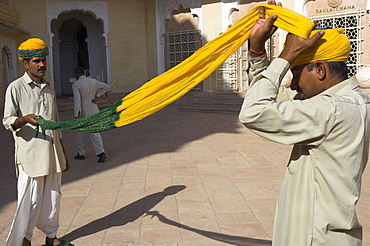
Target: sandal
x=62 y=243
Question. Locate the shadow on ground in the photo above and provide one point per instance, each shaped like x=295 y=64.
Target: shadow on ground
x=163 y=132
x=232 y=240
x=141 y=207
x=127 y=214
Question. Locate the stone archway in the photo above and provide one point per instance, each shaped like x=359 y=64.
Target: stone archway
x=7 y=67
x=6 y=80
x=78 y=33
x=164 y=13
x=77 y=42
x=5 y=58
x=9 y=73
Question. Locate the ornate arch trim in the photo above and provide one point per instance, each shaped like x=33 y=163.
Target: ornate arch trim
x=97 y=8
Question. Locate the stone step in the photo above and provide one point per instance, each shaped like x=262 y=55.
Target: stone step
x=209 y=110
x=216 y=96
x=216 y=104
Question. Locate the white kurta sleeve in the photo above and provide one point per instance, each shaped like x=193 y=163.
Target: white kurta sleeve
x=10 y=108
x=288 y=122
x=102 y=88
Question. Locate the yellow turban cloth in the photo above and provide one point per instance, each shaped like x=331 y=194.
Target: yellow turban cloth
x=32 y=47
x=174 y=83
x=334 y=46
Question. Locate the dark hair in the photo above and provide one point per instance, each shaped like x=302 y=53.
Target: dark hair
x=79 y=70
x=337 y=69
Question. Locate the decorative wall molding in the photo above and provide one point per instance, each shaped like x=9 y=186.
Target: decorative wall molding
x=98 y=9
x=164 y=11
x=165 y=8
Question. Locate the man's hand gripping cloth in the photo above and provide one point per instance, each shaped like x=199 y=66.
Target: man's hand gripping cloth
x=334 y=46
x=174 y=83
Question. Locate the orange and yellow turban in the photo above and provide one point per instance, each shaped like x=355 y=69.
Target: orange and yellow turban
x=334 y=46
x=32 y=47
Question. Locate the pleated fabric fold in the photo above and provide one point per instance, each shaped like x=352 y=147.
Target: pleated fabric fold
x=176 y=82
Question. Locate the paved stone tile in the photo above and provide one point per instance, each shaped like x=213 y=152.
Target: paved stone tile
x=121 y=236
x=234 y=205
x=171 y=179
x=236 y=217
x=166 y=235
x=264 y=208
x=248 y=230
x=195 y=211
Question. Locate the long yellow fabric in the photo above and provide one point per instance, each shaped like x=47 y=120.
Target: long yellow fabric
x=173 y=84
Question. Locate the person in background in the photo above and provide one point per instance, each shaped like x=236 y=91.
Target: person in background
x=85 y=93
x=328 y=122
x=39 y=160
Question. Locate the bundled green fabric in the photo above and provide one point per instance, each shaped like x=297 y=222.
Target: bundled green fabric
x=173 y=84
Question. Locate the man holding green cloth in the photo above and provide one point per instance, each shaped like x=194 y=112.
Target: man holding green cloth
x=39 y=160
x=328 y=124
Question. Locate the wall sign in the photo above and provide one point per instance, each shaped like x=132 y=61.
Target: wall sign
x=335 y=9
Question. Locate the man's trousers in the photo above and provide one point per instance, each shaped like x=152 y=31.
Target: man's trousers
x=96 y=141
x=38 y=206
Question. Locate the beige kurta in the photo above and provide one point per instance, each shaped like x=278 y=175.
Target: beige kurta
x=330 y=134
x=38 y=156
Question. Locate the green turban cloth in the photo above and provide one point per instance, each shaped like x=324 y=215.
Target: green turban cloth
x=32 y=47
x=334 y=46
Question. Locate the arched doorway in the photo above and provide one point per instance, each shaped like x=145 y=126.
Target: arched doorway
x=78 y=42
x=164 y=14
x=5 y=59
x=72 y=51
x=8 y=68
x=78 y=32
x=8 y=72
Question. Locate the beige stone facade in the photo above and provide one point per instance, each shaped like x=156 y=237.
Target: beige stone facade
x=127 y=42
x=121 y=40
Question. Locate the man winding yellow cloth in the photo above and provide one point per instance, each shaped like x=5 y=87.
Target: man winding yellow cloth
x=173 y=84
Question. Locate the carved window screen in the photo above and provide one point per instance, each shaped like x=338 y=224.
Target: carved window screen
x=351 y=23
x=180 y=45
x=227 y=74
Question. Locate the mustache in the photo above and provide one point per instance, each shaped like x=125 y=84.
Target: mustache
x=41 y=69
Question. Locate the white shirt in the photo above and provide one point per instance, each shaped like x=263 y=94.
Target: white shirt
x=84 y=91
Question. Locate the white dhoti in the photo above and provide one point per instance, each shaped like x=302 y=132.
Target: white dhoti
x=38 y=206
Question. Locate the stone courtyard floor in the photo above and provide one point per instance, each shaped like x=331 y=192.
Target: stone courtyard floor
x=174 y=178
